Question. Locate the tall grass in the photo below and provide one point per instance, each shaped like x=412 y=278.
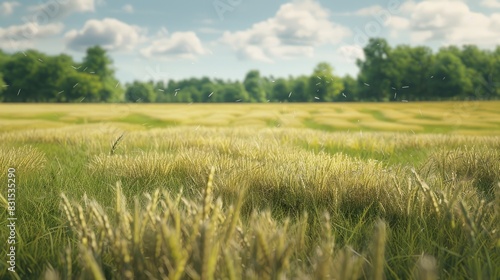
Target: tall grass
x=253 y=203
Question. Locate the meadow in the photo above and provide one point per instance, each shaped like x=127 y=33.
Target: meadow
x=253 y=191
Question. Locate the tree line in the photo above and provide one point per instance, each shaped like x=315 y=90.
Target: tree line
x=401 y=73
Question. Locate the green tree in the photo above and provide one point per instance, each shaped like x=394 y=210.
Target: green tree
x=4 y=57
x=253 y=85
x=281 y=90
x=451 y=78
x=80 y=87
x=51 y=75
x=374 y=74
x=300 y=90
x=480 y=66
x=20 y=74
x=207 y=92
x=2 y=87
x=493 y=84
x=324 y=84
x=232 y=92
x=409 y=72
x=140 y=92
x=350 y=92
x=100 y=64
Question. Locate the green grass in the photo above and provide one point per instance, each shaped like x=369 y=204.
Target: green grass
x=306 y=202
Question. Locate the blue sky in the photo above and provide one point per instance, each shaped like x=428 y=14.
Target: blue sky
x=164 y=40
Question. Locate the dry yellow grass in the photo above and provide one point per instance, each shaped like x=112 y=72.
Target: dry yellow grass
x=457 y=117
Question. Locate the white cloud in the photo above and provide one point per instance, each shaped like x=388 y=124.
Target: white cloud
x=128 y=9
x=56 y=9
x=397 y=24
x=295 y=30
x=178 y=45
x=25 y=35
x=491 y=3
x=7 y=8
x=368 y=11
x=351 y=52
x=110 y=33
x=446 y=21
x=209 y=30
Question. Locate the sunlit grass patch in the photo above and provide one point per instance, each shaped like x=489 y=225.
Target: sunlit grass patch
x=14 y=125
x=333 y=122
x=25 y=159
x=392 y=126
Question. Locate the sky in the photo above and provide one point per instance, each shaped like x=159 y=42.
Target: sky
x=164 y=40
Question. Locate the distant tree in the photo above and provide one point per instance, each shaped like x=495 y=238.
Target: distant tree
x=480 y=65
x=194 y=93
x=80 y=87
x=493 y=83
x=409 y=72
x=233 y=92
x=300 y=89
x=20 y=74
x=98 y=62
x=281 y=90
x=374 y=73
x=140 y=92
x=451 y=78
x=207 y=92
x=254 y=86
x=2 y=87
x=323 y=84
x=350 y=91
x=51 y=75
x=4 y=57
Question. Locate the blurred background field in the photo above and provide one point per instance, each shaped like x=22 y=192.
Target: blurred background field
x=466 y=117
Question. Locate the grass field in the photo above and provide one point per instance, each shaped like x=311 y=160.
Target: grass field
x=253 y=191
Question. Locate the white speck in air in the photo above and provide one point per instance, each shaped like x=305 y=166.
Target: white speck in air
x=367 y=84
x=211 y=94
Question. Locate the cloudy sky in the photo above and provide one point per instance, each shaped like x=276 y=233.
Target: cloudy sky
x=226 y=38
